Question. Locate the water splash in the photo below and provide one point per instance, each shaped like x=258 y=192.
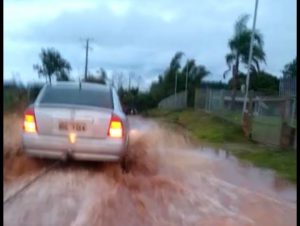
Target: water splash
x=170 y=182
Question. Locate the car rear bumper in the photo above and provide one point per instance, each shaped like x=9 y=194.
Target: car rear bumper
x=83 y=149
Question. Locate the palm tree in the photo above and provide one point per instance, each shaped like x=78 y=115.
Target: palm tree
x=170 y=74
x=290 y=69
x=175 y=62
x=239 y=46
x=196 y=73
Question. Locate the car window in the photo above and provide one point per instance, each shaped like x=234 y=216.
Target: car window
x=85 y=97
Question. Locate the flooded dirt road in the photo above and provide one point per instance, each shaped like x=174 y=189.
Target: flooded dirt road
x=172 y=181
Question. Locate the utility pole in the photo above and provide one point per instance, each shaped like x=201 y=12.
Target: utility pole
x=86 y=58
x=129 y=81
x=87 y=48
x=176 y=87
x=250 y=58
x=139 y=81
x=186 y=83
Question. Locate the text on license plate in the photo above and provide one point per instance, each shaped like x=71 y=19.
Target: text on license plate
x=65 y=126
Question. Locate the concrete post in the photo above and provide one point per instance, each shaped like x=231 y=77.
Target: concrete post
x=285 y=129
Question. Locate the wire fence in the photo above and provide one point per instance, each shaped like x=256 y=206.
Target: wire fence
x=272 y=119
x=177 y=101
x=219 y=102
x=288 y=86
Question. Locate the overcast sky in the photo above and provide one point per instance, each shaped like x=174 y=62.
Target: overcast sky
x=139 y=35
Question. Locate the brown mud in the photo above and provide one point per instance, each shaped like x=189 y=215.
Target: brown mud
x=172 y=181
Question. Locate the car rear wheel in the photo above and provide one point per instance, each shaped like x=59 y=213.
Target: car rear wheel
x=124 y=161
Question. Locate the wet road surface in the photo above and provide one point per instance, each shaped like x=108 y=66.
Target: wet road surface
x=172 y=181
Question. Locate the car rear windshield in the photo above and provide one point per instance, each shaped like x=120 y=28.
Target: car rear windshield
x=71 y=96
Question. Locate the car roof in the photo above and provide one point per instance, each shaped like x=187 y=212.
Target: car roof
x=80 y=85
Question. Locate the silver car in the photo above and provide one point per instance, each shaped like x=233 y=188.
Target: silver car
x=84 y=121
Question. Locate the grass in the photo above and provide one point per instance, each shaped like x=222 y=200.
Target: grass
x=8 y=100
x=203 y=126
x=217 y=132
x=13 y=100
x=266 y=129
x=236 y=117
x=282 y=161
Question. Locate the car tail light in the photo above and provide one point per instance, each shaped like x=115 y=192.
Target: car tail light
x=115 y=128
x=29 y=125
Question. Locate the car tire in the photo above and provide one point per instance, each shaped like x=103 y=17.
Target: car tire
x=125 y=158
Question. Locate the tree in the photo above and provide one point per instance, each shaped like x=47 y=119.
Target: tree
x=103 y=75
x=240 y=79
x=134 y=79
x=196 y=75
x=117 y=80
x=264 y=82
x=166 y=82
x=157 y=90
x=239 y=46
x=175 y=62
x=52 y=64
x=261 y=82
x=290 y=69
x=100 y=77
x=214 y=85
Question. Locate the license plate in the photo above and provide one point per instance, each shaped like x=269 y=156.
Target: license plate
x=76 y=126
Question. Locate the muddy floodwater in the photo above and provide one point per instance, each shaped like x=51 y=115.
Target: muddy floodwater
x=172 y=181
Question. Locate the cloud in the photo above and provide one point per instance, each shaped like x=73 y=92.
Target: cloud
x=140 y=36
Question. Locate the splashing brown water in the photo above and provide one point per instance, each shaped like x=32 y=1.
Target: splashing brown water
x=16 y=164
x=171 y=182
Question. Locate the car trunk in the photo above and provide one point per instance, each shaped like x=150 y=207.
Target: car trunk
x=85 y=122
